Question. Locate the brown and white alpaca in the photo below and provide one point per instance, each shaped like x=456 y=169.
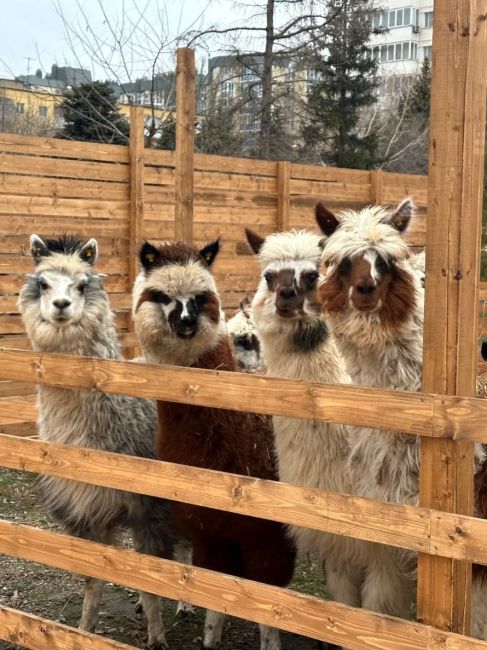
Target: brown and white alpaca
x=374 y=302
x=297 y=344
x=177 y=319
x=243 y=334
x=65 y=309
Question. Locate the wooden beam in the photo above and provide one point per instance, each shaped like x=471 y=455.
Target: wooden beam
x=136 y=214
x=421 y=414
x=283 y=194
x=417 y=529
x=456 y=162
x=36 y=633
x=185 y=118
x=356 y=629
x=376 y=187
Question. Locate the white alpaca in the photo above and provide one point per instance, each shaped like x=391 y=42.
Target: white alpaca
x=243 y=334
x=297 y=345
x=374 y=302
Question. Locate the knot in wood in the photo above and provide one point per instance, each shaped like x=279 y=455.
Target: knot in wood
x=38 y=368
x=458 y=275
x=43 y=629
x=459 y=531
x=279 y=612
x=185 y=576
x=237 y=493
x=192 y=390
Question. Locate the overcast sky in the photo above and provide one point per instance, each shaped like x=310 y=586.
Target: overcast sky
x=32 y=33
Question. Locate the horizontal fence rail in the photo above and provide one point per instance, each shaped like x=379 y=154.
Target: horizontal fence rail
x=440 y=416
x=356 y=629
x=403 y=526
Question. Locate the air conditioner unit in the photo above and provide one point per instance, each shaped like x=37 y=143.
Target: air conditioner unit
x=415 y=29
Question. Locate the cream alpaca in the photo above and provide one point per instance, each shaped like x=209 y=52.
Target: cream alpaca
x=297 y=345
x=374 y=302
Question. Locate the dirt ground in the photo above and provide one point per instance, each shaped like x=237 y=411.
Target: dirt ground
x=56 y=595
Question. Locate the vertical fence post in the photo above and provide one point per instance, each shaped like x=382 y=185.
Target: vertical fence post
x=136 y=210
x=283 y=194
x=376 y=187
x=456 y=159
x=185 y=117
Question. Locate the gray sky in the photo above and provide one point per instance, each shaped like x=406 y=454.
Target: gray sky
x=34 y=29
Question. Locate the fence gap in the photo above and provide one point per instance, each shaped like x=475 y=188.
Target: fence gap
x=283 y=194
x=456 y=163
x=184 y=163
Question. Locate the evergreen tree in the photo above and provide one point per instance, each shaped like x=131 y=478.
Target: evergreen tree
x=90 y=114
x=347 y=84
x=168 y=135
x=218 y=132
x=419 y=97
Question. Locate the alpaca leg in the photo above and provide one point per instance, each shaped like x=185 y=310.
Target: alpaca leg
x=343 y=581
x=155 y=627
x=388 y=587
x=183 y=552
x=479 y=608
x=213 y=631
x=91 y=603
x=269 y=638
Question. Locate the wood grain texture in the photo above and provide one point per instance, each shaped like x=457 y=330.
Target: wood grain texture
x=36 y=633
x=418 y=529
x=455 y=187
x=283 y=196
x=328 y=621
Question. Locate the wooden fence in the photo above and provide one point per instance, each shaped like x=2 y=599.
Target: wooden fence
x=229 y=193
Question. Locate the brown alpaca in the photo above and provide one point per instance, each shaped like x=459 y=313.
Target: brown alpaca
x=177 y=320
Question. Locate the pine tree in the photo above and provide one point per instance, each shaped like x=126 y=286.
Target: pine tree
x=90 y=114
x=419 y=97
x=218 y=133
x=347 y=84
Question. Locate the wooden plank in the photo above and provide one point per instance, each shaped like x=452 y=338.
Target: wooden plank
x=63 y=188
x=330 y=174
x=421 y=414
x=160 y=157
x=328 y=621
x=29 y=631
x=15 y=388
x=27 y=224
x=61 y=168
x=16 y=264
x=283 y=196
x=376 y=186
x=52 y=206
x=336 y=191
x=55 y=147
x=455 y=187
x=184 y=160
x=207 y=162
x=403 y=526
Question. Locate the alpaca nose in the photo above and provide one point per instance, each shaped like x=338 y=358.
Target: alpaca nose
x=287 y=293
x=61 y=303
x=187 y=319
x=366 y=287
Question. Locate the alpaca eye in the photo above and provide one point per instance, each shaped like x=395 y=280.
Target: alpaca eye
x=312 y=278
x=82 y=287
x=345 y=266
x=43 y=285
x=200 y=299
x=268 y=277
x=383 y=266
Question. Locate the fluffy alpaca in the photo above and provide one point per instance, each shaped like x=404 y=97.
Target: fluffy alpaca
x=241 y=328
x=177 y=319
x=297 y=345
x=374 y=302
x=65 y=309
x=418 y=264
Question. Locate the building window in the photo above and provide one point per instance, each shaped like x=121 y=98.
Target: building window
x=42 y=111
x=399 y=17
x=428 y=19
x=405 y=51
x=390 y=52
x=427 y=52
x=19 y=108
x=407 y=16
x=414 y=52
x=392 y=18
x=398 y=52
x=384 y=19
x=383 y=53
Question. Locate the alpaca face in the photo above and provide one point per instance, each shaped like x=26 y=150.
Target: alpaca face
x=290 y=273
x=241 y=328
x=367 y=264
x=63 y=289
x=175 y=297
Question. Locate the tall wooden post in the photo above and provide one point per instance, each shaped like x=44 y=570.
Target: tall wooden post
x=456 y=162
x=376 y=186
x=136 y=214
x=185 y=117
x=283 y=194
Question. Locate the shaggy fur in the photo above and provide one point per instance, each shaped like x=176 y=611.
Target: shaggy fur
x=246 y=344
x=65 y=309
x=383 y=348
x=418 y=264
x=298 y=346
x=205 y=437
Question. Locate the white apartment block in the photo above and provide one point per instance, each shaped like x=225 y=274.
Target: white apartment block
x=407 y=42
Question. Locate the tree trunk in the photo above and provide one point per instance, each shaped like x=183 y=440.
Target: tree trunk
x=266 y=110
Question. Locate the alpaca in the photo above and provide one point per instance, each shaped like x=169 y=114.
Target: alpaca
x=246 y=345
x=65 y=309
x=374 y=303
x=418 y=264
x=177 y=317
x=297 y=345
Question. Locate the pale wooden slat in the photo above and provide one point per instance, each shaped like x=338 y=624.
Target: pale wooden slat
x=95 y=208
x=63 y=188
x=354 y=628
x=13 y=163
x=330 y=174
x=27 y=224
x=248 y=166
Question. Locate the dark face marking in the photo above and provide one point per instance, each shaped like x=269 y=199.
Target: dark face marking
x=246 y=342
x=292 y=290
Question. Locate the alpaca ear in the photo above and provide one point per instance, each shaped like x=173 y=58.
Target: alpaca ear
x=400 y=218
x=38 y=248
x=209 y=252
x=255 y=241
x=89 y=252
x=149 y=256
x=325 y=219
x=245 y=303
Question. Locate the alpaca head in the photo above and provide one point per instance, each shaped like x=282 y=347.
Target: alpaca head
x=176 y=308
x=64 y=294
x=418 y=263
x=241 y=328
x=366 y=256
x=290 y=263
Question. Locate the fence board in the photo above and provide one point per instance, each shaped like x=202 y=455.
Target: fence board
x=67 y=188
x=40 y=166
